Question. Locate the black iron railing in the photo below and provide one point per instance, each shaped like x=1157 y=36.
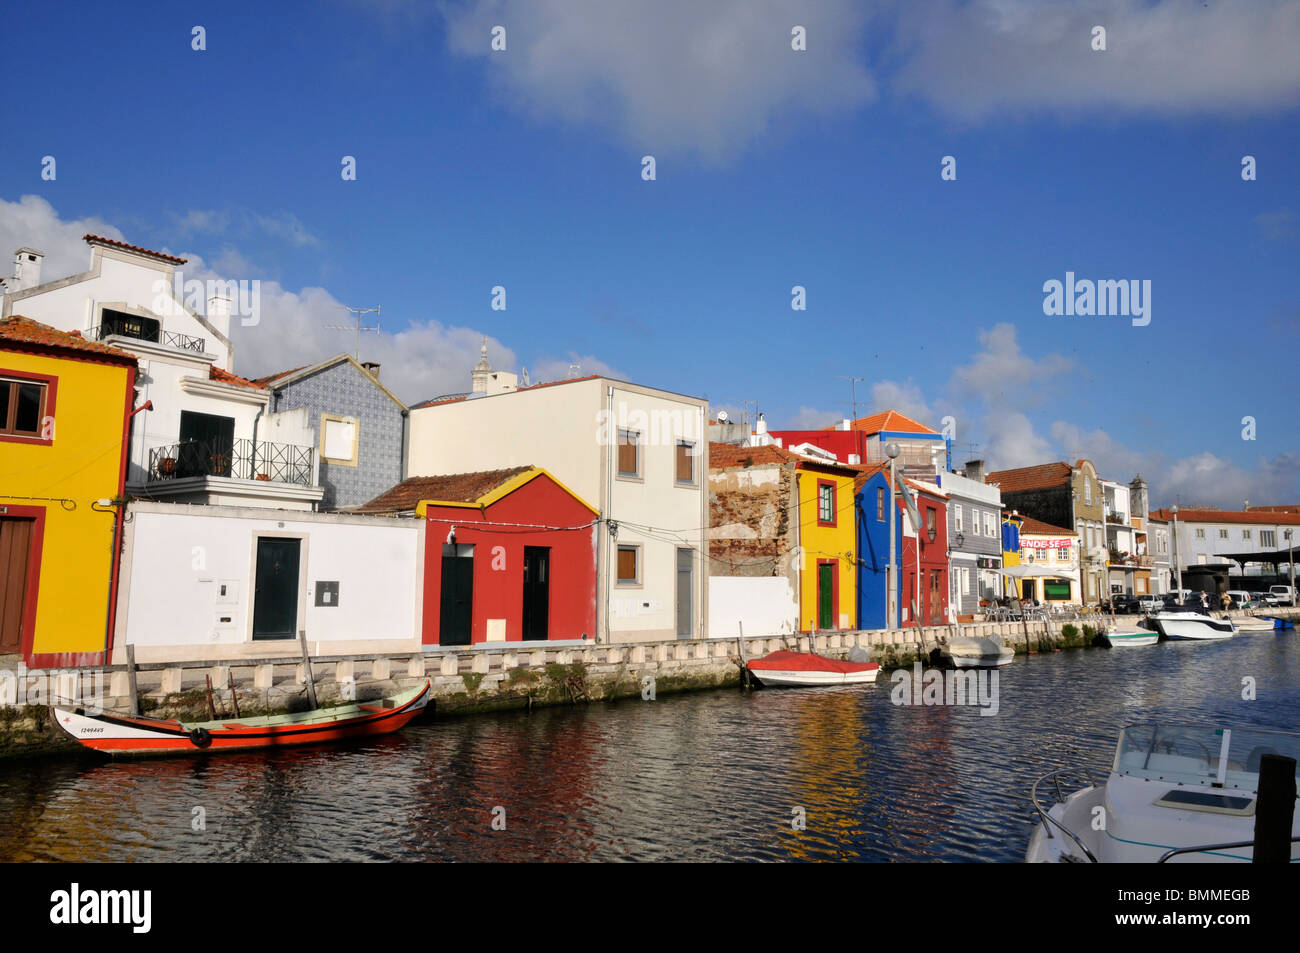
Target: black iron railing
x=144 y=332
x=237 y=459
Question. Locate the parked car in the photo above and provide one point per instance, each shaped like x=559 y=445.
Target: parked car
x=1285 y=594
x=1150 y=603
x=1124 y=604
x=1241 y=599
x=1268 y=598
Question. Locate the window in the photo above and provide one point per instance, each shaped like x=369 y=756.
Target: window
x=129 y=325
x=989 y=529
x=629 y=453
x=1087 y=492
x=956 y=517
x=22 y=407
x=1245 y=534
x=1267 y=538
x=880 y=504
x=825 y=502
x=1223 y=534
x=1200 y=533
x=685 y=462
x=339 y=439
x=974 y=522
x=629 y=565
x=930 y=521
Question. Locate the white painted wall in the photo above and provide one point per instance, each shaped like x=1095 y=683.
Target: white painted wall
x=177 y=556
x=764 y=604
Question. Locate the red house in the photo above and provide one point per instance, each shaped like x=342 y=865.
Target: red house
x=509 y=555
x=932 y=604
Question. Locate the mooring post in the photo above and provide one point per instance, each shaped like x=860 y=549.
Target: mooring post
x=130 y=671
x=1274 y=809
x=306 y=668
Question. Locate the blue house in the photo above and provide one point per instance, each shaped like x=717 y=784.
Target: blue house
x=871 y=503
x=360 y=426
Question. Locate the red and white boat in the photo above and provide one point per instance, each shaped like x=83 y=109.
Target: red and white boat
x=136 y=735
x=807 y=668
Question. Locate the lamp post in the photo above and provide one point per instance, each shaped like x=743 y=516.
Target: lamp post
x=1290 y=563
x=1178 y=569
x=891 y=599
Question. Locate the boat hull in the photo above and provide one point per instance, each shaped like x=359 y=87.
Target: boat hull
x=1192 y=627
x=805 y=669
x=124 y=735
x=1120 y=640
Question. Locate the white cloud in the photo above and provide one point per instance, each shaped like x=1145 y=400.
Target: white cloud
x=33 y=222
x=670 y=76
x=575 y=365
x=810 y=418
x=1276 y=226
x=244 y=223
x=984 y=58
x=905 y=397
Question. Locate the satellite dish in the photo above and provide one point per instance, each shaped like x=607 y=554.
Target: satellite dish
x=722 y=417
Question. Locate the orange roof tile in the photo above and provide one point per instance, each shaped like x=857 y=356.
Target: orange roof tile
x=20 y=330
x=263 y=381
x=1252 y=516
x=889 y=421
x=225 y=377
x=135 y=248
x=1038 y=477
x=1033 y=526
x=452 y=488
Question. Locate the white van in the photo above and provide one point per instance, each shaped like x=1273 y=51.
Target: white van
x=1285 y=594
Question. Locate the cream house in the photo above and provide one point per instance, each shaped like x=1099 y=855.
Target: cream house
x=639 y=454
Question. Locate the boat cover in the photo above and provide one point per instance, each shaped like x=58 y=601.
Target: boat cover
x=806 y=662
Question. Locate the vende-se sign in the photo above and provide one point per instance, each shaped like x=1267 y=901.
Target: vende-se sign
x=1045 y=543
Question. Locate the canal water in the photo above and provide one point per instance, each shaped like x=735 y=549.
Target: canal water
x=721 y=775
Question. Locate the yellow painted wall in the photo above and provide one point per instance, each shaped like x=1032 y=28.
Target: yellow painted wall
x=83 y=464
x=827 y=542
x=1011 y=558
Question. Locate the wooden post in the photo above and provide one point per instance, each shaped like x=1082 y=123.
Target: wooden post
x=1274 y=809
x=130 y=671
x=234 y=699
x=306 y=665
x=212 y=712
x=919 y=627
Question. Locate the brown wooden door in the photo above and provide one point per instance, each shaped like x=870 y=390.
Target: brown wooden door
x=15 y=550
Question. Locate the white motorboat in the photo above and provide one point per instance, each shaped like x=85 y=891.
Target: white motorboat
x=1189 y=790
x=1190 y=625
x=1119 y=640
x=968 y=652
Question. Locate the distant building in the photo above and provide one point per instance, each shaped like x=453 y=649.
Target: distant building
x=922 y=452
x=1240 y=542
x=1053 y=548
x=974 y=537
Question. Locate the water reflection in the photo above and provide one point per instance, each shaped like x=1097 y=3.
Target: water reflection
x=699 y=777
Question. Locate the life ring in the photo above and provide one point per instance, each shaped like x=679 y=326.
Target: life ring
x=200 y=737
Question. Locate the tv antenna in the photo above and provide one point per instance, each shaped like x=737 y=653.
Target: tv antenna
x=359 y=326
x=853 y=383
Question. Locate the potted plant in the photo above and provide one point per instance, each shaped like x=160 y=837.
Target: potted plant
x=167 y=466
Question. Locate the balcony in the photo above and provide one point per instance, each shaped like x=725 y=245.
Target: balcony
x=143 y=330
x=232 y=459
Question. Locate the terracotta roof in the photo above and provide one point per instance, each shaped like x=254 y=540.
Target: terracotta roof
x=1281 y=508
x=1252 y=516
x=23 y=330
x=100 y=239
x=263 y=381
x=890 y=421
x=225 y=377
x=726 y=456
x=1038 y=477
x=452 y=488
x=1032 y=526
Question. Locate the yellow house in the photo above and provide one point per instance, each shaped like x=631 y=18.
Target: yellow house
x=1011 y=557
x=64 y=407
x=828 y=591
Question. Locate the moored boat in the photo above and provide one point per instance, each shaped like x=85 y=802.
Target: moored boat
x=1175 y=793
x=967 y=652
x=1189 y=625
x=140 y=735
x=1131 y=639
x=809 y=669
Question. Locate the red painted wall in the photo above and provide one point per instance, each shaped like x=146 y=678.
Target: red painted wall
x=839 y=442
x=499 y=592
x=934 y=559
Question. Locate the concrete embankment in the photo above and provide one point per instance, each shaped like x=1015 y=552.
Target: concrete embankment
x=464 y=681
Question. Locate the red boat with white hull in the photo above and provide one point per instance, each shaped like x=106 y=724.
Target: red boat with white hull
x=807 y=668
x=137 y=735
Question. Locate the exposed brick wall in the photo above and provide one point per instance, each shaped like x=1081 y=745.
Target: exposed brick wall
x=751 y=524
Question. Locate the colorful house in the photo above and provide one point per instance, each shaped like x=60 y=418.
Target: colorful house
x=922 y=451
x=772 y=512
x=510 y=555
x=921 y=558
x=1011 y=524
x=65 y=408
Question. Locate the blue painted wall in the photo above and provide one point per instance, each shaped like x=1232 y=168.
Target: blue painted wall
x=873 y=553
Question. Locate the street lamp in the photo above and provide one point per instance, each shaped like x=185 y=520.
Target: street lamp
x=1178 y=569
x=1290 y=562
x=891 y=599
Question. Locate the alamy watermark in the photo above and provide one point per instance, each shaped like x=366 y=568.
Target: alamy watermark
x=244 y=296
x=954 y=687
x=1085 y=297
x=21 y=686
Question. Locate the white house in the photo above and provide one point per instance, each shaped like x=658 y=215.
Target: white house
x=202 y=433
x=640 y=455
x=1208 y=537
x=220 y=582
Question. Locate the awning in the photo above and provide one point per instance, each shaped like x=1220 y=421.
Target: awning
x=1035 y=572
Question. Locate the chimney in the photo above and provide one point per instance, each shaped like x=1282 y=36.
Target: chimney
x=27 y=269
x=372 y=367
x=219 y=313
x=846 y=424
x=974 y=470
x=761 y=426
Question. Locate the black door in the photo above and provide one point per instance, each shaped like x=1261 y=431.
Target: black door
x=457 y=595
x=537 y=592
x=207 y=442
x=275 y=600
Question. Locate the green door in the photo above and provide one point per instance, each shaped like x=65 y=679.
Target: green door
x=825 y=596
x=275 y=601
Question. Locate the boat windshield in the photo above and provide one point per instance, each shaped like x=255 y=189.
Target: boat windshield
x=1187 y=754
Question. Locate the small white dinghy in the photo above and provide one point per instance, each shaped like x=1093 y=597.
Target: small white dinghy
x=971 y=652
x=1125 y=640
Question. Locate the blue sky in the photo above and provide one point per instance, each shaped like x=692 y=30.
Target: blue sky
x=775 y=168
